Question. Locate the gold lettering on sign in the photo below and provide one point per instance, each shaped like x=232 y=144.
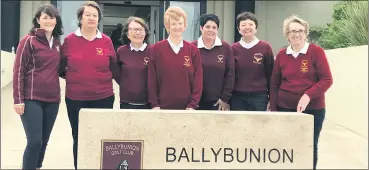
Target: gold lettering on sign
x=146 y=60
x=258 y=57
x=187 y=61
x=220 y=58
x=304 y=67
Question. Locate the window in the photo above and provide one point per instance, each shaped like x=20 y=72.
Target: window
x=192 y=10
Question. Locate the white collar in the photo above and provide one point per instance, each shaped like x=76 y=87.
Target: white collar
x=51 y=41
x=142 y=48
x=79 y=33
x=302 y=51
x=200 y=43
x=174 y=45
x=249 y=45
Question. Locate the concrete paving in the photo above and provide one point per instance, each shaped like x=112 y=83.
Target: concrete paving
x=339 y=148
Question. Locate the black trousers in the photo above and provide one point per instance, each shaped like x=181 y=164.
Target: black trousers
x=249 y=101
x=38 y=121
x=131 y=106
x=319 y=116
x=206 y=105
x=73 y=107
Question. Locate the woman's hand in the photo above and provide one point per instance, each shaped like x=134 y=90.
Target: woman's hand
x=304 y=101
x=221 y=105
x=19 y=108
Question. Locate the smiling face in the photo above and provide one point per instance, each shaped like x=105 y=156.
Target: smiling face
x=247 y=28
x=296 y=33
x=46 y=22
x=136 y=32
x=209 y=30
x=176 y=27
x=90 y=17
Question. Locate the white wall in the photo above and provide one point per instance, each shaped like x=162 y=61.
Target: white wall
x=271 y=15
x=347 y=99
x=7 y=62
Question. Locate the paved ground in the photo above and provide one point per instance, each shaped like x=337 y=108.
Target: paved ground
x=339 y=147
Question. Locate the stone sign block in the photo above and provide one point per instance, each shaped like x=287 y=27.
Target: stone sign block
x=185 y=139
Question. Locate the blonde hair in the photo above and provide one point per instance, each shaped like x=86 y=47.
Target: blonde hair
x=175 y=13
x=296 y=19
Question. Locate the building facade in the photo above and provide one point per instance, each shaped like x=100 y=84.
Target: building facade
x=16 y=17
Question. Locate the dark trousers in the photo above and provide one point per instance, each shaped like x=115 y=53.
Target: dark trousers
x=131 y=106
x=38 y=121
x=249 y=101
x=319 y=116
x=206 y=105
x=73 y=107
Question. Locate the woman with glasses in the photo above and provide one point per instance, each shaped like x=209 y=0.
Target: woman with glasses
x=134 y=58
x=301 y=76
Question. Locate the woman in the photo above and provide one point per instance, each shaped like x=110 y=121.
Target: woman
x=87 y=57
x=36 y=87
x=254 y=65
x=301 y=76
x=175 y=71
x=217 y=63
x=133 y=58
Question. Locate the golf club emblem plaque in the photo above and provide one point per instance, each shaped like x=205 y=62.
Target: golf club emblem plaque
x=121 y=154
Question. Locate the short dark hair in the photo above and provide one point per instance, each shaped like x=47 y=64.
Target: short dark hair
x=204 y=18
x=245 y=16
x=51 y=11
x=82 y=9
x=125 y=39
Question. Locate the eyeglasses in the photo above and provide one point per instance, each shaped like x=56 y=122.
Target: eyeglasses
x=296 y=31
x=141 y=30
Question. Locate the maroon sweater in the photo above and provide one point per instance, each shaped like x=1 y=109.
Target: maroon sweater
x=218 y=71
x=88 y=74
x=293 y=77
x=175 y=80
x=133 y=74
x=35 y=74
x=253 y=75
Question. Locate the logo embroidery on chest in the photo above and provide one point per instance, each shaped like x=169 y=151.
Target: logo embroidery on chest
x=187 y=61
x=99 y=51
x=258 y=57
x=304 y=67
x=146 y=60
x=57 y=48
x=220 y=58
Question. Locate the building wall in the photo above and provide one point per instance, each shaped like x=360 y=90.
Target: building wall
x=271 y=15
x=28 y=10
x=225 y=10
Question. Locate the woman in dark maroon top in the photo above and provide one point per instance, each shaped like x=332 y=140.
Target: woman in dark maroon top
x=36 y=87
x=253 y=65
x=88 y=57
x=301 y=76
x=217 y=63
x=133 y=57
x=175 y=69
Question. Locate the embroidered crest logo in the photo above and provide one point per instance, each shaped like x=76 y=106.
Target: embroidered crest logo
x=187 y=61
x=258 y=57
x=146 y=60
x=99 y=51
x=57 y=48
x=304 y=67
x=220 y=58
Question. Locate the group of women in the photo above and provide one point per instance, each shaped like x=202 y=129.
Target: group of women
x=206 y=74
